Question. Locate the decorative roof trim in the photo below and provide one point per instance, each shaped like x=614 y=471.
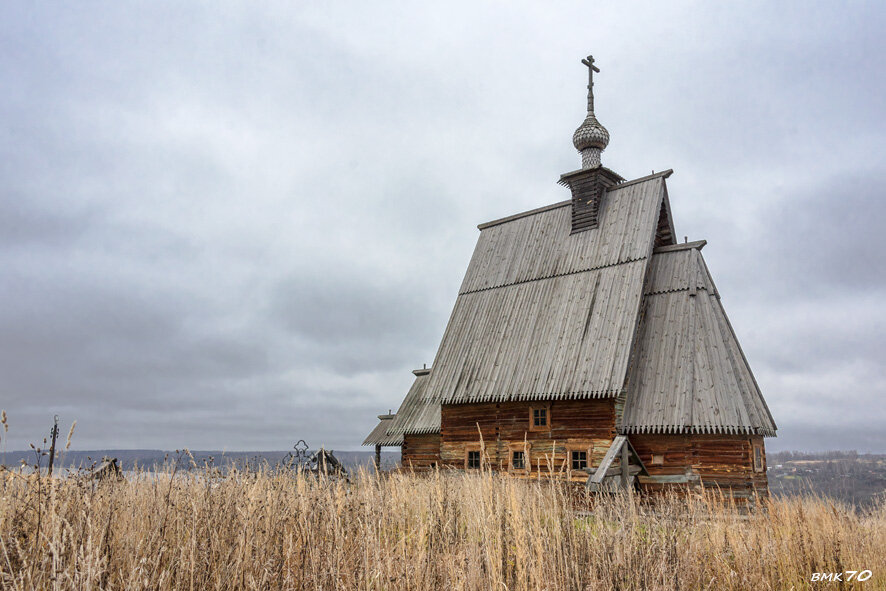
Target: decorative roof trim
x=535 y=396
x=696 y=430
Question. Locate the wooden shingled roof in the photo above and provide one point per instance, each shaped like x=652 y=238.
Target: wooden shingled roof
x=418 y=413
x=379 y=435
x=547 y=314
x=689 y=374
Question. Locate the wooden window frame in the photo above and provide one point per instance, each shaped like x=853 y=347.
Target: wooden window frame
x=473 y=447
x=573 y=460
x=527 y=457
x=547 y=425
x=588 y=450
x=656 y=460
x=757 y=451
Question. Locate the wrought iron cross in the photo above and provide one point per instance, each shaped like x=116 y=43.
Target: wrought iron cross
x=589 y=62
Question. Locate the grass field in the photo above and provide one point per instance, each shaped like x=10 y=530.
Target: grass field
x=187 y=530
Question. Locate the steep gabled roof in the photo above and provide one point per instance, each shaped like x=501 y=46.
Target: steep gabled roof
x=379 y=435
x=546 y=314
x=418 y=413
x=688 y=372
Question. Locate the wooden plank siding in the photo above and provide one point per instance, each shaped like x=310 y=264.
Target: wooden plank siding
x=573 y=424
x=420 y=452
x=724 y=461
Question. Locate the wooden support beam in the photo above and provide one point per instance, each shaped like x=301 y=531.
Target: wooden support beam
x=625 y=466
x=615 y=471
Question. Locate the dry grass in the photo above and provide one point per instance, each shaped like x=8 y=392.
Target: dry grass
x=443 y=531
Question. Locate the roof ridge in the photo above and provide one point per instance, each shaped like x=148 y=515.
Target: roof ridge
x=642 y=179
x=524 y=214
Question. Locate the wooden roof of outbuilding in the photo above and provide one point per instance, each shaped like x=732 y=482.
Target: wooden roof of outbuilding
x=547 y=314
x=418 y=413
x=689 y=374
x=379 y=435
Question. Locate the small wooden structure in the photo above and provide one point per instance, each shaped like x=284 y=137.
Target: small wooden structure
x=108 y=469
x=583 y=331
x=379 y=437
x=325 y=462
x=618 y=469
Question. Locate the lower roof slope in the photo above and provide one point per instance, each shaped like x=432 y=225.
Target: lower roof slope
x=418 y=413
x=379 y=435
x=688 y=372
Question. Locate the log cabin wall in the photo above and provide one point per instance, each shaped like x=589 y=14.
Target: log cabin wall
x=420 y=452
x=573 y=424
x=724 y=461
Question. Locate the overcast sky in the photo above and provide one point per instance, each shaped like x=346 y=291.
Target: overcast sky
x=232 y=226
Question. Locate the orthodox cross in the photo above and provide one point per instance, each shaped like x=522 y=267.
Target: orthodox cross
x=589 y=62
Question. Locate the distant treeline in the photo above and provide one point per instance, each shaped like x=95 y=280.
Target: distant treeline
x=851 y=477
x=788 y=456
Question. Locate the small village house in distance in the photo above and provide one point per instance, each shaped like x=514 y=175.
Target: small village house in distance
x=587 y=343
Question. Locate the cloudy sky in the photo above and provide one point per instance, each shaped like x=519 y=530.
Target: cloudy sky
x=232 y=226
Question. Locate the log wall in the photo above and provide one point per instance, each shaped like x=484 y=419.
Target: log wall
x=573 y=424
x=724 y=461
x=420 y=452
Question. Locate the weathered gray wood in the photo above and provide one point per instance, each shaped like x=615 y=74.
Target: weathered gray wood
x=379 y=435
x=689 y=374
x=524 y=214
x=669 y=479
x=616 y=471
x=696 y=245
x=525 y=329
x=418 y=414
x=625 y=462
x=629 y=466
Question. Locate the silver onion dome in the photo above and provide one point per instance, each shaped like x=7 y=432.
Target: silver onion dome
x=590 y=134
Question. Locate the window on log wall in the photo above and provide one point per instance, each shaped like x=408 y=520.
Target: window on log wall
x=518 y=460
x=539 y=418
x=472 y=461
x=579 y=459
x=758 y=458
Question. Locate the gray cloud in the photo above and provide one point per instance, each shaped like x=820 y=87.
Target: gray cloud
x=232 y=227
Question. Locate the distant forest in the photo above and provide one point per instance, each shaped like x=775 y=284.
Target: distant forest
x=848 y=476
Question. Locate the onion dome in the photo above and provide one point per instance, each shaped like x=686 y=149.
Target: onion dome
x=590 y=134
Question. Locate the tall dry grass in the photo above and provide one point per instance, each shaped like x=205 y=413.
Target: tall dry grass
x=442 y=531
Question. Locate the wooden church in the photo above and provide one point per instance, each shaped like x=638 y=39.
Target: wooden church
x=586 y=343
